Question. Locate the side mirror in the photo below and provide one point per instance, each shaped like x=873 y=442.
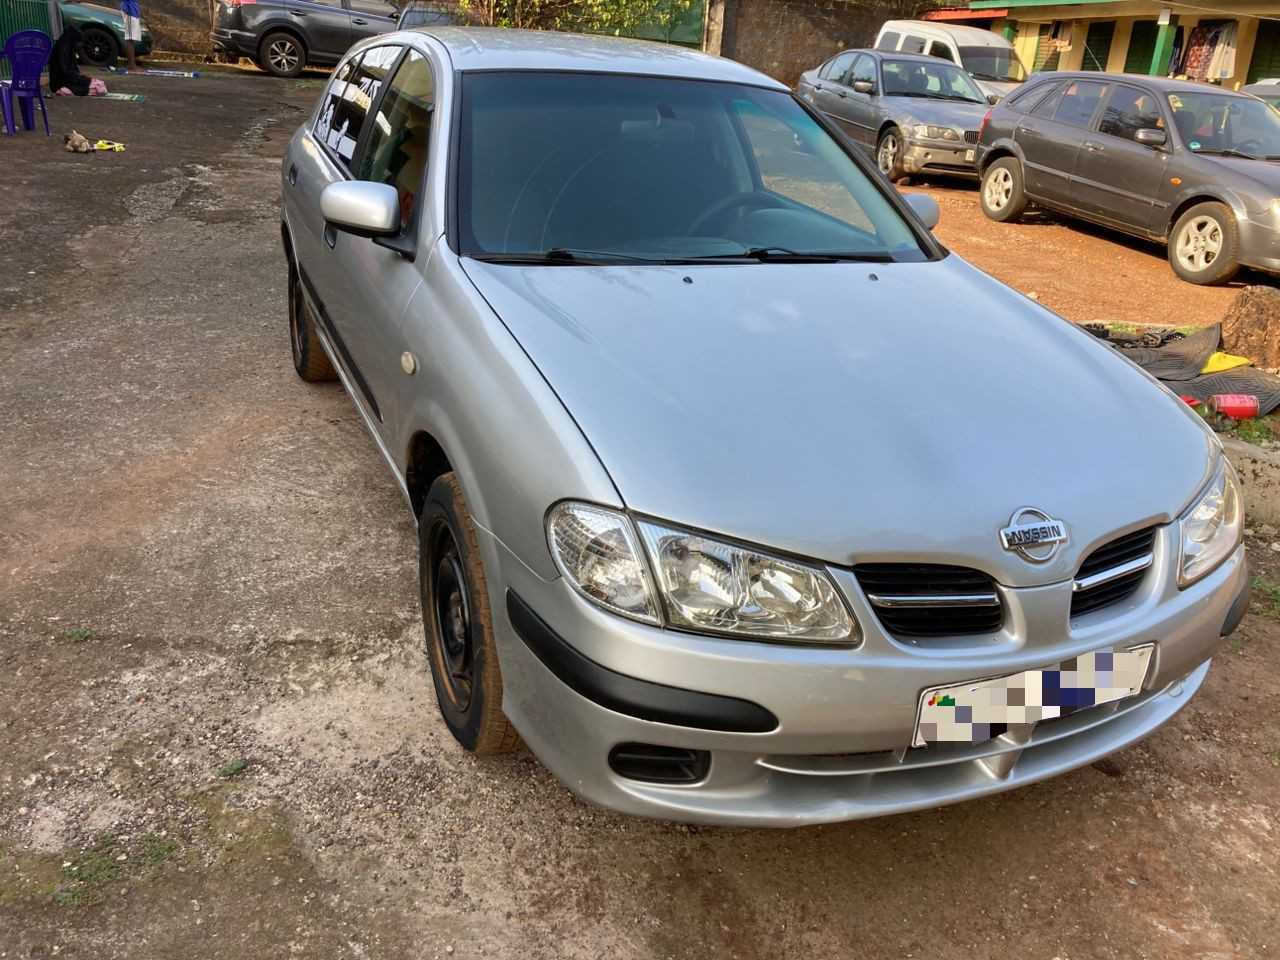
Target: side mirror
x=1151 y=137
x=993 y=98
x=361 y=208
x=864 y=86
x=924 y=207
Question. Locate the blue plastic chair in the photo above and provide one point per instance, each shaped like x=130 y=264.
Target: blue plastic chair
x=27 y=52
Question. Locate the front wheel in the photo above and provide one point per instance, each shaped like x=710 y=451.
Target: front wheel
x=459 y=624
x=98 y=48
x=889 y=154
x=1204 y=247
x=309 y=359
x=282 y=54
x=1001 y=194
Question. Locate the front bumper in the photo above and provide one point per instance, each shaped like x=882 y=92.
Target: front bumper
x=946 y=156
x=844 y=717
x=1260 y=242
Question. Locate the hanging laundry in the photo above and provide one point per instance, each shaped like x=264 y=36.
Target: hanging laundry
x=1061 y=35
x=1222 y=63
x=1199 y=51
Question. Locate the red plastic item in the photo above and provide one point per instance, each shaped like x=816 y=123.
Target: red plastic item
x=1189 y=401
x=1237 y=406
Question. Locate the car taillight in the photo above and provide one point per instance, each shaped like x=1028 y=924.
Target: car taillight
x=983 y=125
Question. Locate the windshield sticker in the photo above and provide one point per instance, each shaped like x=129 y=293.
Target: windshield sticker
x=1194 y=144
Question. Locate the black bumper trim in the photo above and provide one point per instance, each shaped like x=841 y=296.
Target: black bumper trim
x=1239 y=608
x=641 y=699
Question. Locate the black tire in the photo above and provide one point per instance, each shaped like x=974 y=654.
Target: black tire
x=459 y=625
x=1001 y=193
x=98 y=48
x=309 y=358
x=889 y=154
x=282 y=54
x=1204 y=245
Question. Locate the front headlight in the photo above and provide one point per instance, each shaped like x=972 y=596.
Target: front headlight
x=1211 y=529
x=930 y=132
x=704 y=584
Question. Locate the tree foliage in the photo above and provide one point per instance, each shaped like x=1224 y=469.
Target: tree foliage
x=619 y=17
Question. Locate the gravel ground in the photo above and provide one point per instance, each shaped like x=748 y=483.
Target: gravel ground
x=217 y=732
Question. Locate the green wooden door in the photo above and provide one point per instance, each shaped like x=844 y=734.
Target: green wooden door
x=1097 y=44
x=1142 y=47
x=1266 y=52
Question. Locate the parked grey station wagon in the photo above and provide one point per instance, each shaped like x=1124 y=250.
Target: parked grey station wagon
x=911 y=113
x=740 y=499
x=1185 y=164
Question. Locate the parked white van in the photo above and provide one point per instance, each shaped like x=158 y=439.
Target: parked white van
x=987 y=57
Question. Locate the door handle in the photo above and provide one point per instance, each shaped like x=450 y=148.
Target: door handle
x=360 y=22
x=1093 y=146
x=298 y=13
x=817 y=86
x=293 y=174
x=330 y=236
x=842 y=95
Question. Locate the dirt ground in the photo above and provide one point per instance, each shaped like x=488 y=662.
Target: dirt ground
x=217 y=732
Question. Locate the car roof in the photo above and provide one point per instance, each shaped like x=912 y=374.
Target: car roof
x=900 y=55
x=499 y=48
x=1162 y=84
x=965 y=36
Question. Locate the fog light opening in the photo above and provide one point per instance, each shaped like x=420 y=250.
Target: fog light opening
x=650 y=763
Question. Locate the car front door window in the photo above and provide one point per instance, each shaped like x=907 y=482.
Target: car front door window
x=1129 y=110
x=361 y=91
x=395 y=152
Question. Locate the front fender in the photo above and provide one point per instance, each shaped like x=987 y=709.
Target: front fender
x=1205 y=192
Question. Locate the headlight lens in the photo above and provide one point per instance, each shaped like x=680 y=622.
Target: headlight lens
x=596 y=551
x=719 y=587
x=706 y=585
x=1212 y=528
x=930 y=132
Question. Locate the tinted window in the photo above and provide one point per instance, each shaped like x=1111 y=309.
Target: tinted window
x=993 y=63
x=864 y=68
x=932 y=80
x=1210 y=121
x=1129 y=110
x=1079 y=101
x=889 y=41
x=1027 y=100
x=396 y=151
x=941 y=50
x=332 y=100
x=373 y=8
x=651 y=168
x=362 y=90
x=835 y=69
x=913 y=44
x=1049 y=105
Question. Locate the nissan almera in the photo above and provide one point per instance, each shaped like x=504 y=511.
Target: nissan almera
x=740 y=499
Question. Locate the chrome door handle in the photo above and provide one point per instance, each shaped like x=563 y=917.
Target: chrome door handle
x=360 y=22
x=1093 y=146
x=293 y=174
x=817 y=86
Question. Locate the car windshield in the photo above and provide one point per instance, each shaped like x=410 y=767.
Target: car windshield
x=569 y=168
x=1221 y=123
x=993 y=63
x=933 y=81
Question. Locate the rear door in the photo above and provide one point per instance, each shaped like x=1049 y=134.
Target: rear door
x=1053 y=134
x=371 y=17
x=325 y=26
x=1118 y=179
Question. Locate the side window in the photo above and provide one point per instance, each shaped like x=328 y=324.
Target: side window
x=1029 y=99
x=373 y=8
x=1048 y=106
x=396 y=151
x=1129 y=110
x=913 y=44
x=835 y=68
x=889 y=41
x=1079 y=101
x=939 y=49
x=332 y=99
x=864 y=68
x=361 y=91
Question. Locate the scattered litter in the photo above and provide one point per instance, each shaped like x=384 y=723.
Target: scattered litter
x=136 y=97
x=1237 y=406
x=1219 y=361
x=165 y=73
x=110 y=145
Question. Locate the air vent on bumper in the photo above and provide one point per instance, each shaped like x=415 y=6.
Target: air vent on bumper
x=931 y=600
x=1113 y=571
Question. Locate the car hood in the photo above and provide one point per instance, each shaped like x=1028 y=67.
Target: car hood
x=950 y=113
x=1263 y=172
x=853 y=412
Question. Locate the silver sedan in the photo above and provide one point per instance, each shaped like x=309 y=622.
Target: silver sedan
x=739 y=498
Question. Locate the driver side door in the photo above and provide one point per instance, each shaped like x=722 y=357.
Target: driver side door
x=860 y=111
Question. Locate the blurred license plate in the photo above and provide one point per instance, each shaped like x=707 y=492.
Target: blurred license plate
x=968 y=156
x=982 y=709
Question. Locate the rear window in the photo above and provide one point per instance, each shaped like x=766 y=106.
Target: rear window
x=913 y=44
x=1079 y=103
x=889 y=41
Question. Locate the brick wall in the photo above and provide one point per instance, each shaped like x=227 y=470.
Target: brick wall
x=783 y=38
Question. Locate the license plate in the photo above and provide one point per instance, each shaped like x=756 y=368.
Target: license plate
x=968 y=156
x=981 y=709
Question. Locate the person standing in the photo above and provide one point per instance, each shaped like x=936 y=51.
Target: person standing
x=132 y=33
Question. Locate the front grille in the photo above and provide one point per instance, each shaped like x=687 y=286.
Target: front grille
x=1113 y=571
x=971 y=136
x=931 y=600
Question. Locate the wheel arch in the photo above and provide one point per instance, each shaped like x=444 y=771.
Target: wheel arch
x=998 y=151
x=425 y=461
x=285 y=27
x=1184 y=203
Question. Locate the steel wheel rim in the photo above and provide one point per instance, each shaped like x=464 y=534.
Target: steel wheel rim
x=282 y=55
x=888 y=153
x=999 y=188
x=451 y=616
x=1199 y=243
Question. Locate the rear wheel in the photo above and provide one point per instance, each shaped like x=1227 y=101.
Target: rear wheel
x=889 y=154
x=98 y=47
x=1205 y=244
x=459 y=624
x=282 y=54
x=1001 y=195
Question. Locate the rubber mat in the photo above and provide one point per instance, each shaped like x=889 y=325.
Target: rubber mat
x=1180 y=360
x=1265 y=386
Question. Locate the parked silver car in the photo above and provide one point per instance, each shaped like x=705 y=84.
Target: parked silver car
x=1185 y=164
x=911 y=113
x=739 y=498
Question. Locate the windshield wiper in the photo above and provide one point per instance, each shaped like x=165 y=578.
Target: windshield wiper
x=1233 y=152
x=787 y=255
x=564 y=256
x=950 y=96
